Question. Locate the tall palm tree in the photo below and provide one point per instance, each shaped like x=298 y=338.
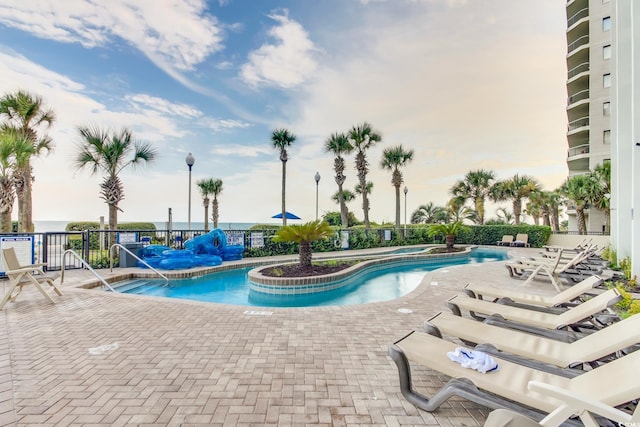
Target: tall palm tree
x=363 y=137
x=281 y=139
x=393 y=159
x=429 y=214
x=339 y=145
x=505 y=216
x=15 y=149
x=476 y=187
x=216 y=189
x=27 y=114
x=108 y=152
x=554 y=199
x=538 y=207
x=206 y=188
x=304 y=235
x=579 y=190
x=515 y=189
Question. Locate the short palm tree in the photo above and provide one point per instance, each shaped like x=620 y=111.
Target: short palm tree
x=216 y=189
x=206 y=188
x=515 y=189
x=27 y=114
x=428 y=214
x=475 y=186
x=393 y=159
x=579 y=190
x=339 y=145
x=281 y=139
x=344 y=197
x=304 y=235
x=602 y=197
x=110 y=153
x=449 y=230
x=362 y=137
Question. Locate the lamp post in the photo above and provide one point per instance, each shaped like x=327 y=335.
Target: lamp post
x=317 y=178
x=406 y=190
x=190 y=160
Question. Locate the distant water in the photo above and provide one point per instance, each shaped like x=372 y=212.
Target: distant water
x=49 y=226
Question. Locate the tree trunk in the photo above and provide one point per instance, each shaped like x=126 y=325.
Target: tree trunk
x=479 y=202
x=344 y=219
x=449 y=240
x=397 y=207
x=284 y=181
x=582 y=225
x=517 y=210
x=113 y=223
x=206 y=214
x=305 y=255
x=214 y=206
x=7 y=196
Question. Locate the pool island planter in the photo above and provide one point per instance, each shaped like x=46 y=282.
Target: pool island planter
x=327 y=282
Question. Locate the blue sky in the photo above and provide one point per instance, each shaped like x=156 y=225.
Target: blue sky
x=465 y=84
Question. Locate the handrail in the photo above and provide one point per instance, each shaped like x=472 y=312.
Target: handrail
x=136 y=257
x=577 y=43
x=84 y=264
x=578 y=16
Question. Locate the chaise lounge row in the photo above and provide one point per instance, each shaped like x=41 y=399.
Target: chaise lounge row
x=564 y=355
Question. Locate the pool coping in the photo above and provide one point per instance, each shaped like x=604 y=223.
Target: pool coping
x=326 y=282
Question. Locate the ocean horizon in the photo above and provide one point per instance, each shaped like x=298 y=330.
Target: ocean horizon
x=52 y=226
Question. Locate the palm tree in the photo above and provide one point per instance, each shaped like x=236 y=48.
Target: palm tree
x=15 y=149
x=393 y=159
x=457 y=211
x=504 y=215
x=450 y=231
x=476 y=187
x=26 y=113
x=428 y=214
x=515 y=189
x=602 y=175
x=107 y=152
x=281 y=139
x=553 y=200
x=338 y=144
x=537 y=207
x=206 y=188
x=304 y=235
x=344 y=197
x=579 y=190
x=216 y=189
x=362 y=137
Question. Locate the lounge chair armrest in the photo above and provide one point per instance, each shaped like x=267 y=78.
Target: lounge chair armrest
x=577 y=404
x=26 y=270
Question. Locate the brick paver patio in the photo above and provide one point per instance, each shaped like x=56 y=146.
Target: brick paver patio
x=102 y=359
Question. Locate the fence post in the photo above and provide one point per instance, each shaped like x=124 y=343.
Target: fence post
x=85 y=245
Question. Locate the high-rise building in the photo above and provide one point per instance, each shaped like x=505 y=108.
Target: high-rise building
x=589 y=94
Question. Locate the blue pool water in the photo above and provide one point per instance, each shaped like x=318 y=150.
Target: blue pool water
x=383 y=283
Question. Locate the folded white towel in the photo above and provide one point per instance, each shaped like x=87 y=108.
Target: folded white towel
x=473 y=359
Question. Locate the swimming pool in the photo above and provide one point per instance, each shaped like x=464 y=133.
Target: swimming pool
x=382 y=283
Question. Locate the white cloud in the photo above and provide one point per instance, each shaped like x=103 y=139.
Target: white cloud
x=220 y=124
x=145 y=102
x=240 y=150
x=176 y=32
x=285 y=63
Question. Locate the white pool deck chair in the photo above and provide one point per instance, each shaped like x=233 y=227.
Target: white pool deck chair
x=26 y=275
x=501 y=293
x=543 y=349
x=612 y=383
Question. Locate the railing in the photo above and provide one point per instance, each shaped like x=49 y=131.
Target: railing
x=85 y=265
x=122 y=248
x=582 y=122
x=576 y=44
x=581 y=68
x=580 y=149
x=583 y=94
x=584 y=13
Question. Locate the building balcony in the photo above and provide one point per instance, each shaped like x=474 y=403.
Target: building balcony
x=577 y=97
x=577 y=44
x=578 y=125
x=578 y=18
x=578 y=71
x=580 y=150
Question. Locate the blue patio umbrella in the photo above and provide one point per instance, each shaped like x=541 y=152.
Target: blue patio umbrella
x=289 y=215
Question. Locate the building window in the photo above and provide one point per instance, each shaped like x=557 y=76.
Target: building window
x=606 y=80
x=606 y=108
x=606 y=52
x=606 y=23
x=606 y=137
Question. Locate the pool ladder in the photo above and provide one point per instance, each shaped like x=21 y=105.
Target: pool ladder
x=122 y=248
x=85 y=265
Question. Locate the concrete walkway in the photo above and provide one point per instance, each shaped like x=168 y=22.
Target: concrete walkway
x=102 y=359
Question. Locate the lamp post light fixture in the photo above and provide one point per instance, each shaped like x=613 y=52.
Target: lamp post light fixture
x=317 y=178
x=190 y=160
x=406 y=190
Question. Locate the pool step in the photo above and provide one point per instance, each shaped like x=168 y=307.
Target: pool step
x=135 y=286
